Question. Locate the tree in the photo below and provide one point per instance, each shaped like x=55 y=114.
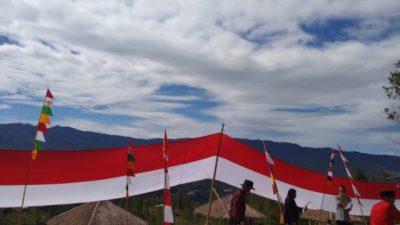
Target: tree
x=384 y=176
x=393 y=92
x=358 y=174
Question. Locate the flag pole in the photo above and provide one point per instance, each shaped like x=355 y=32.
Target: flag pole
x=93 y=212
x=33 y=156
x=20 y=215
x=362 y=213
x=352 y=185
x=274 y=186
x=330 y=169
x=127 y=209
x=130 y=167
x=220 y=202
x=168 y=214
x=215 y=173
x=322 y=203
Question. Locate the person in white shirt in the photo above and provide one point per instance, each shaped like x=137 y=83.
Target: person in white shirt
x=343 y=207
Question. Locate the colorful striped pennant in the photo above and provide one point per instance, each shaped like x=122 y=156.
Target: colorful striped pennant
x=44 y=119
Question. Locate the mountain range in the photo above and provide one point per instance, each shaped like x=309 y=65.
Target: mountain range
x=20 y=136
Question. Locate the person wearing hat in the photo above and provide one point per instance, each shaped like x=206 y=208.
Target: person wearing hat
x=385 y=212
x=343 y=207
x=237 y=207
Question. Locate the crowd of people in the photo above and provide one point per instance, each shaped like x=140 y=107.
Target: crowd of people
x=382 y=213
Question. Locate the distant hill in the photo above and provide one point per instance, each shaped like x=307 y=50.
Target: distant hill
x=20 y=136
x=317 y=159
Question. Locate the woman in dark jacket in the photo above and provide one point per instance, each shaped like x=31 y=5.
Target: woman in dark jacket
x=292 y=211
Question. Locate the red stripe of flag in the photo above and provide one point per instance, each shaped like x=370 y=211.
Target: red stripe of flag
x=48 y=94
x=42 y=127
x=167 y=197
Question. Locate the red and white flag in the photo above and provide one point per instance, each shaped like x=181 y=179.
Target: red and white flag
x=346 y=167
x=168 y=215
x=130 y=169
x=329 y=176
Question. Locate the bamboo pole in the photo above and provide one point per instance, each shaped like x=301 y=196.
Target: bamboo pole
x=352 y=184
x=322 y=203
x=94 y=212
x=215 y=173
x=220 y=202
x=281 y=210
x=28 y=171
x=323 y=194
x=127 y=209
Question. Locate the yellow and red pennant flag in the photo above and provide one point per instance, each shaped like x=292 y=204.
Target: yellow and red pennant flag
x=130 y=168
x=44 y=119
x=270 y=163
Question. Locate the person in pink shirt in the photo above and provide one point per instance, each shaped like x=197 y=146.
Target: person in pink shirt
x=385 y=212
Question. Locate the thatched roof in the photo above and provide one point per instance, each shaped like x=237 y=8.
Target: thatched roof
x=99 y=213
x=217 y=211
x=323 y=216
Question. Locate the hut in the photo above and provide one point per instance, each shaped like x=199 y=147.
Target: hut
x=96 y=213
x=219 y=209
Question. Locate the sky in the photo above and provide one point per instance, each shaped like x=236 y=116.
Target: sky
x=300 y=71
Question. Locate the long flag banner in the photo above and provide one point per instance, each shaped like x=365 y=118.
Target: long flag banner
x=44 y=119
x=275 y=190
x=168 y=215
x=99 y=174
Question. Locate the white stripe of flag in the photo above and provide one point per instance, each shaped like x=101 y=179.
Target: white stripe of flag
x=40 y=136
x=168 y=216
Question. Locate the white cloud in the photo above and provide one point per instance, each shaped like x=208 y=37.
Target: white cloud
x=128 y=49
x=3 y=106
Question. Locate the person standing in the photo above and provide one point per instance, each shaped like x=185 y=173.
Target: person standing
x=237 y=206
x=385 y=212
x=343 y=207
x=292 y=211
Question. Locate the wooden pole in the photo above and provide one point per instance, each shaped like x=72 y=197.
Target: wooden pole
x=93 y=212
x=28 y=171
x=322 y=203
x=325 y=183
x=215 y=173
x=127 y=209
x=220 y=202
x=352 y=184
x=323 y=197
x=281 y=210
x=362 y=213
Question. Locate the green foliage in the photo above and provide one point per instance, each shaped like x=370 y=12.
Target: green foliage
x=358 y=174
x=382 y=177
x=32 y=216
x=393 y=92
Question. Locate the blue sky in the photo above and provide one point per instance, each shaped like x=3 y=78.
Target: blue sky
x=311 y=76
